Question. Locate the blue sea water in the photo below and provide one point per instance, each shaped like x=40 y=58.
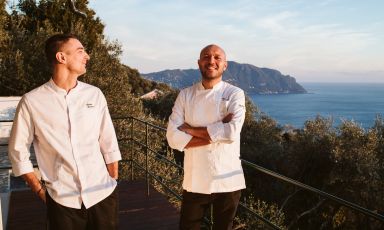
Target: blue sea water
x=360 y=102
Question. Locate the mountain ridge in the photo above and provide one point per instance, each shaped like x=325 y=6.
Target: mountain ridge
x=252 y=79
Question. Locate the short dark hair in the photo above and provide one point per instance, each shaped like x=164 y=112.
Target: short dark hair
x=53 y=45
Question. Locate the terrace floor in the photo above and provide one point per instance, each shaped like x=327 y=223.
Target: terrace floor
x=137 y=210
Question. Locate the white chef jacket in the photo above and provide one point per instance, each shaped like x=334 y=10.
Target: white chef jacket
x=73 y=137
x=215 y=167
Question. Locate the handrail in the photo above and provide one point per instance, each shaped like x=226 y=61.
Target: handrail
x=264 y=220
x=268 y=224
x=158 y=180
x=315 y=190
x=343 y=202
x=5 y=167
x=141 y=120
x=158 y=155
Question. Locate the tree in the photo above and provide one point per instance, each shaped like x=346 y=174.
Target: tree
x=356 y=175
x=23 y=61
x=3 y=19
x=308 y=159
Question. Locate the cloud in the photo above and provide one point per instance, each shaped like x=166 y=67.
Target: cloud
x=276 y=23
x=292 y=36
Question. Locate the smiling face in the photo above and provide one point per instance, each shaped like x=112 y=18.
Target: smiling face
x=74 y=56
x=212 y=63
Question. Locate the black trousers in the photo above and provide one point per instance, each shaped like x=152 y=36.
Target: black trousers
x=101 y=216
x=195 y=205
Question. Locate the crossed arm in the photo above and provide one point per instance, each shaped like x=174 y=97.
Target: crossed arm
x=200 y=135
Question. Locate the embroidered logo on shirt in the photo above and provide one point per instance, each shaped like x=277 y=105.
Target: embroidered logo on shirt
x=90 y=105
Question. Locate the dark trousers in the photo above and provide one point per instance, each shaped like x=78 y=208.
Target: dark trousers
x=101 y=216
x=195 y=205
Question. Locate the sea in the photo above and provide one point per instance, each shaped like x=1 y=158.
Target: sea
x=360 y=102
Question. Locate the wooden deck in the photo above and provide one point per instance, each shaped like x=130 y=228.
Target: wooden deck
x=137 y=210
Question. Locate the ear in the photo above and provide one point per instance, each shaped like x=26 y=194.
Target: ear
x=225 y=66
x=60 y=57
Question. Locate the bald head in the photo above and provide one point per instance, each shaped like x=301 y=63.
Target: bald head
x=212 y=46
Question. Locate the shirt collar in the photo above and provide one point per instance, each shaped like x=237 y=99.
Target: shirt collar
x=61 y=91
x=215 y=87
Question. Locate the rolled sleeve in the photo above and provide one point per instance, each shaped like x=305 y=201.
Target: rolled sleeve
x=112 y=157
x=176 y=138
x=229 y=132
x=21 y=168
x=20 y=140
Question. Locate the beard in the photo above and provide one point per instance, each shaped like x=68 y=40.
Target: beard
x=210 y=75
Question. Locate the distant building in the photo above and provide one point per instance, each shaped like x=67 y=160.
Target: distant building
x=152 y=95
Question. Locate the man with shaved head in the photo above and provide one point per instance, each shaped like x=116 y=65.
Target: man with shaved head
x=205 y=123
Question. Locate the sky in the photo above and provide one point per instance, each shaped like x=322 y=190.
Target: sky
x=311 y=40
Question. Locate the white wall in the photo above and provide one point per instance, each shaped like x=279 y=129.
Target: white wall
x=7 y=112
x=4 y=202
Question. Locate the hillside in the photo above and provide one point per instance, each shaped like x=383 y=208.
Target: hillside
x=252 y=79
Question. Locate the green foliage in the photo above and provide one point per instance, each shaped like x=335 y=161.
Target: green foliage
x=346 y=161
x=161 y=106
x=142 y=86
x=56 y=15
x=260 y=135
x=271 y=212
x=23 y=65
x=3 y=18
x=308 y=151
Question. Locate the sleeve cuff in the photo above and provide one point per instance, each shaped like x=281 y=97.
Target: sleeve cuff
x=178 y=140
x=184 y=140
x=22 y=168
x=112 y=157
x=215 y=131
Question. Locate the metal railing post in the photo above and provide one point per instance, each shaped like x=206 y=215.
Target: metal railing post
x=211 y=220
x=146 y=156
x=132 y=148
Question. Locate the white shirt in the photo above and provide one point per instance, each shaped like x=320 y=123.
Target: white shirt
x=215 y=167
x=73 y=138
